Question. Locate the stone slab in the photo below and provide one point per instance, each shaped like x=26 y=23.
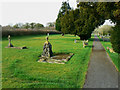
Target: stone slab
x=18 y=47
x=58 y=61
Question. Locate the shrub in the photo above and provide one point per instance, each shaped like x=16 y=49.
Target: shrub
x=5 y=33
x=115 y=38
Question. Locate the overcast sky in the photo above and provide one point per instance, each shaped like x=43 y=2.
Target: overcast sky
x=39 y=11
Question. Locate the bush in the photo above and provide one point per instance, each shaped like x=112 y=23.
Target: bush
x=5 y=33
x=115 y=38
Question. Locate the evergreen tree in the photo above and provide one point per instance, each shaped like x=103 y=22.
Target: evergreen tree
x=88 y=19
x=115 y=34
x=111 y=10
x=64 y=8
x=67 y=22
x=115 y=38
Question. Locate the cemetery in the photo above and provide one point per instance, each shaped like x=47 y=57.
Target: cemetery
x=46 y=58
x=23 y=64
x=80 y=49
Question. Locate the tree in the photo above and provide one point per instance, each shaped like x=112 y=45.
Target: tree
x=38 y=25
x=16 y=26
x=88 y=19
x=115 y=38
x=64 y=8
x=26 y=26
x=104 y=29
x=67 y=22
x=32 y=25
x=51 y=24
x=81 y=21
x=89 y=16
x=111 y=11
x=115 y=34
x=20 y=25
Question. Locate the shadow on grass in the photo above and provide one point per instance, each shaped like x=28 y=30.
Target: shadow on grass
x=69 y=36
x=91 y=39
x=78 y=39
x=104 y=40
x=91 y=46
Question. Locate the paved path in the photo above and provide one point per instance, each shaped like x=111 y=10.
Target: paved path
x=101 y=71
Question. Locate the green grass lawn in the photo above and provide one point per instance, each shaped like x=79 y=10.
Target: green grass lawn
x=113 y=56
x=20 y=68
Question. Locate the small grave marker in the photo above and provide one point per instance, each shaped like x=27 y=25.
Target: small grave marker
x=11 y=46
x=75 y=41
x=47 y=34
x=85 y=43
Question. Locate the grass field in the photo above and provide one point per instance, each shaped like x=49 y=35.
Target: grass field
x=113 y=56
x=20 y=68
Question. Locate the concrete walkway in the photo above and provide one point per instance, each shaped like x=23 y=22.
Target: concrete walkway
x=101 y=71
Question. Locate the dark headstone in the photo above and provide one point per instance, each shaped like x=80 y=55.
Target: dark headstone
x=62 y=34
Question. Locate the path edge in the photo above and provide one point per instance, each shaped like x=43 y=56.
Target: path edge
x=110 y=59
x=86 y=73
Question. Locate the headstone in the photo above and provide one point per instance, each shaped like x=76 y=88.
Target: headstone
x=47 y=34
x=85 y=43
x=9 y=45
x=47 y=49
x=75 y=41
x=62 y=34
x=103 y=38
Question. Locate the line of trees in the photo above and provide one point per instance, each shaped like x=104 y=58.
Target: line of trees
x=49 y=25
x=28 y=25
x=89 y=15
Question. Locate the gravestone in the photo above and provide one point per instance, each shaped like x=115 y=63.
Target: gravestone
x=75 y=41
x=9 y=45
x=85 y=43
x=62 y=34
x=47 y=34
x=47 y=49
x=48 y=56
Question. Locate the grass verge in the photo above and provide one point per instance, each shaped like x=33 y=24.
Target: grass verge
x=114 y=56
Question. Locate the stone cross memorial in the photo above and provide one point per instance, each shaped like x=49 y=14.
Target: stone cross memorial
x=48 y=56
x=9 y=45
x=47 y=49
